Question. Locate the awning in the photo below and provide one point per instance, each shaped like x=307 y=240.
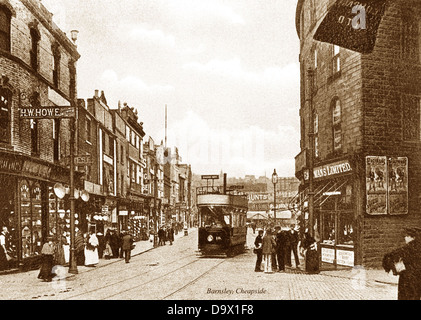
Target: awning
x=322 y=192
x=257 y=215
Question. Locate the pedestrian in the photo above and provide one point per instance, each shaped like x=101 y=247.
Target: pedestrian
x=293 y=242
x=91 y=250
x=161 y=234
x=309 y=248
x=127 y=243
x=80 y=248
x=170 y=233
x=406 y=262
x=281 y=248
x=59 y=258
x=274 y=250
x=101 y=246
x=267 y=249
x=120 y=244
x=288 y=247
x=258 y=250
x=47 y=253
x=4 y=261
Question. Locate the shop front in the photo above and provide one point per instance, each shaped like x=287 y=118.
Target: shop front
x=29 y=207
x=131 y=215
x=335 y=211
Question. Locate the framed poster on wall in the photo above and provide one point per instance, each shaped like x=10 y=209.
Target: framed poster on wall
x=376 y=184
x=398 y=185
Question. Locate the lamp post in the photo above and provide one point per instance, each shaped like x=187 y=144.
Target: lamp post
x=274 y=181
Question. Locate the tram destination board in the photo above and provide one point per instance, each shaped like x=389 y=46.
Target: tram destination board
x=47 y=112
x=210 y=177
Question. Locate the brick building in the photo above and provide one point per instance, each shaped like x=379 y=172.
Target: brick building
x=37 y=69
x=366 y=124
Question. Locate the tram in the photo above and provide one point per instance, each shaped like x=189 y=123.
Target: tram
x=222 y=222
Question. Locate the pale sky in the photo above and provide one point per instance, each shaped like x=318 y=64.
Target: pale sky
x=227 y=70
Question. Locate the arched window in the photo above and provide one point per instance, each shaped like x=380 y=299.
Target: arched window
x=5 y=97
x=5 y=17
x=337 y=124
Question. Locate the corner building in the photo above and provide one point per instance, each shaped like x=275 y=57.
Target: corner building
x=37 y=69
x=366 y=127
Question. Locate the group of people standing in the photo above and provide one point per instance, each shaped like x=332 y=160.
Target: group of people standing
x=165 y=233
x=275 y=247
x=89 y=248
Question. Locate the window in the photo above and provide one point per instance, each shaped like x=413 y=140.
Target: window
x=410 y=38
x=111 y=146
x=4 y=29
x=411 y=117
x=56 y=139
x=35 y=37
x=88 y=129
x=4 y=115
x=336 y=59
x=122 y=156
x=56 y=66
x=336 y=125
x=34 y=136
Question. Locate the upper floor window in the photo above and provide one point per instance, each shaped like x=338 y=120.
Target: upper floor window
x=56 y=139
x=336 y=59
x=5 y=17
x=56 y=66
x=35 y=37
x=337 y=125
x=5 y=97
x=111 y=146
x=36 y=103
x=410 y=38
x=88 y=129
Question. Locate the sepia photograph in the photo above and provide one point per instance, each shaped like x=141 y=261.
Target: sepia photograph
x=215 y=156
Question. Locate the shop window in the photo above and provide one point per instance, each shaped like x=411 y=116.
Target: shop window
x=35 y=37
x=30 y=218
x=345 y=229
x=336 y=125
x=5 y=17
x=5 y=97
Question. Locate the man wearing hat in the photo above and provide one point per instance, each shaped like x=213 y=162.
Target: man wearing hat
x=258 y=249
x=406 y=262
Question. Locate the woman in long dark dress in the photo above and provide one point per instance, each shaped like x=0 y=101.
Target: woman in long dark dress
x=47 y=252
x=309 y=246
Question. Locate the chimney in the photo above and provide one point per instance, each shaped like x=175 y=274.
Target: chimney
x=96 y=93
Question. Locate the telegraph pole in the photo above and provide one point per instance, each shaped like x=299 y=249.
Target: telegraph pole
x=310 y=74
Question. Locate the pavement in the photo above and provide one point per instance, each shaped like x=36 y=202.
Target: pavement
x=356 y=273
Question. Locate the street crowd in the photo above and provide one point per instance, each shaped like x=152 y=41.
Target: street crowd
x=89 y=248
x=274 y=248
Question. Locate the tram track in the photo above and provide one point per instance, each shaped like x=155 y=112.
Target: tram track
x=115 y=283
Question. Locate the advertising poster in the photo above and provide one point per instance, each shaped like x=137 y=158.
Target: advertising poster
x=376 y=184
x=398 y=185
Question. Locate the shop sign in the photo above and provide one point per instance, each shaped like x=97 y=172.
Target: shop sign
x=345 y=258
x=332 y=169
x=123 y=213
x=210 y=177
x=328 y=255
x=258 y=196
x=85 y=160
x=56 y=112
x=8 y=165
x=36 y=169
x=352 y=24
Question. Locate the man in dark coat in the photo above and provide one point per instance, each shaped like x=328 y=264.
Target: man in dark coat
x=259 y=251
x=281 y=241
x=80 y=248
x=293 y=242
x=170 y=234
x=126 y=246
x=114 y=243
x=161 y=236
x=409 y=285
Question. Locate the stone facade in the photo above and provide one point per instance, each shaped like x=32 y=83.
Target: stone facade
x=379 y=96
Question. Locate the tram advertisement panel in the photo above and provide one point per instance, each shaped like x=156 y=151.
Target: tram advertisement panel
x=376 y=184
x=398 y=185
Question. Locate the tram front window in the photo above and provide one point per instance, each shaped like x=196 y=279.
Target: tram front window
x=214 y=218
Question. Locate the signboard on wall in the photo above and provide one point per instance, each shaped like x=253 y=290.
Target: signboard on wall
x=328 y=255
x=387 y=185
x=398 y=185
x=376 y=184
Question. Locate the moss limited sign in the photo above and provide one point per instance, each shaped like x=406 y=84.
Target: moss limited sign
x=329 y=170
